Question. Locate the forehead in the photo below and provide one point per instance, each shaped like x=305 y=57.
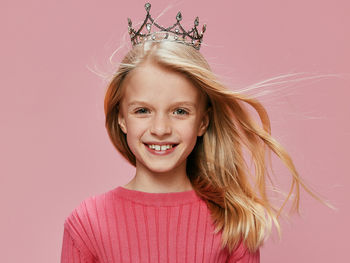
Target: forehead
x=154 y=83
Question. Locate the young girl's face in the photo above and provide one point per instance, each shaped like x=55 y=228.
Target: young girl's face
x=160 y=107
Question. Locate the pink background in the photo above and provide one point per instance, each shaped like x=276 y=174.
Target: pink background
x=55 y=151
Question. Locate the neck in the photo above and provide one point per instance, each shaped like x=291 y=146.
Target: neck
x=162 y=182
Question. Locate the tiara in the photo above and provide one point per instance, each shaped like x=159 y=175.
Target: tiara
x=173 y=33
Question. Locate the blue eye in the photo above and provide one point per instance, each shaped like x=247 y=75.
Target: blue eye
x=184 y=112
x=179 y=111
x=141 y=110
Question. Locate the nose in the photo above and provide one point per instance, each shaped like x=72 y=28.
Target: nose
x=160 y=125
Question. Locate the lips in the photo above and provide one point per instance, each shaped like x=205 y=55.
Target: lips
x=161 y=152
x=161 y=143
x=172 y=144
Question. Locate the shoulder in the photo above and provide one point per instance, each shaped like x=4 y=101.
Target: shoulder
x=83 y=222
x=89 y=210
x=243 y=255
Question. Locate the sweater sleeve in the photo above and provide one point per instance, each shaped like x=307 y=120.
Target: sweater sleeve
x=70 y=252
x=243 y=255
x=77 y=246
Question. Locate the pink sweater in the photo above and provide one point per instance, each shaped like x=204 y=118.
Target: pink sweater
x=124 y=225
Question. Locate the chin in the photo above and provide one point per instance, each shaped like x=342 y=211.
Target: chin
x=161 y=169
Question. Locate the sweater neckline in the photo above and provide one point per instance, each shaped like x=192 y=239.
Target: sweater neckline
x=157 y=199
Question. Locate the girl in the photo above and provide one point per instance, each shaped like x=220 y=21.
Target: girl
x=193 y=198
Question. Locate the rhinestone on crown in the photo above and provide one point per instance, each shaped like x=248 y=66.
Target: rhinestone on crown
x=174 y=33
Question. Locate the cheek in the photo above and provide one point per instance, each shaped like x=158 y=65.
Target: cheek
x=135 y=132
x=136 y=124
x=188 y=132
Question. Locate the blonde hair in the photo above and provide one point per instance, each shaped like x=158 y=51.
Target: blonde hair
x=217 y=168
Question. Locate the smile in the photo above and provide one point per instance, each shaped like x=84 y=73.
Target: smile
x=161 y=149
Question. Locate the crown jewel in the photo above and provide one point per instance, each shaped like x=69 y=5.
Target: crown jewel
x=175 y=32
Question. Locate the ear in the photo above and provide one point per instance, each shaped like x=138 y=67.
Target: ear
x=121 y=121
x=204 y=122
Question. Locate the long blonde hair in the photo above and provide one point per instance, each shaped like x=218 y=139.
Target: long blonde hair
x=217 y=168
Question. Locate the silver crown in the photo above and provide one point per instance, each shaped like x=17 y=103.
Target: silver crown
x=175 y=32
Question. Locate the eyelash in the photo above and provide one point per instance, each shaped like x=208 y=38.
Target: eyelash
x=185 y=111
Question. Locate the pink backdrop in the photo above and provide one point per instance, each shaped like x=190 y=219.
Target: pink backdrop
x=55 y=151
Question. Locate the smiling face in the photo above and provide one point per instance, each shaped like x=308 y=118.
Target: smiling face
x=161 y=106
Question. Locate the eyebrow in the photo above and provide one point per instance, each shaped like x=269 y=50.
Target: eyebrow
x=188 y=103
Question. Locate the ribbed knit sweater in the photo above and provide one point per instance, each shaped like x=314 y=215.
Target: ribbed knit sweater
x=124 y=225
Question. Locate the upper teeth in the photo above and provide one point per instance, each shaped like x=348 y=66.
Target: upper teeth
x=160 y=147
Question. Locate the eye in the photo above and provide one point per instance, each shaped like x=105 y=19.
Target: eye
x=182 y=111
x=141 y=110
